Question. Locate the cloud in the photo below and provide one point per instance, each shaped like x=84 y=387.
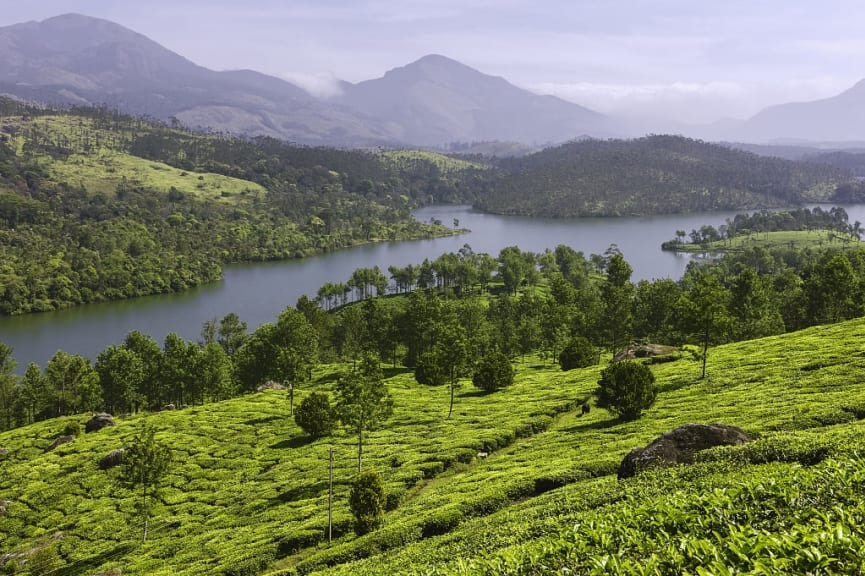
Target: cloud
x=319 y=85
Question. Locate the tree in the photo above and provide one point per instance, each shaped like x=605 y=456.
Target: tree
x=578 y=353
x=429 y=370
x=494 y=371
x=145 y=464
x=315 y=415
x=616 y=294
x=213 y=367
x=626 y=388
x=121 y=375
x=72 y=384
x=702 y=309
x=363 y=400
x=366 y=501
x=8 y=387
x=231 y=333
x=148 y=350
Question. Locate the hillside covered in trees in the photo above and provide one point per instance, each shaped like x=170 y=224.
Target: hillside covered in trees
x=97 y=206
x=652 y=175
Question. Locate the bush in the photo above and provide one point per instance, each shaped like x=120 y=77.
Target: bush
x=626 y=388
x=366 y=500
x=578 y=353
x=315 y=415
x=429 y=370
x=494 y=371
x=72 y=428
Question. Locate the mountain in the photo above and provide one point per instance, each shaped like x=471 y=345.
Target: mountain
x=79 y=60
x=436 y=100
x=840 y=118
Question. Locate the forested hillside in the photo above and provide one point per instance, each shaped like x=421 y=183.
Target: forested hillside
x=652 y=175
x=96 y=206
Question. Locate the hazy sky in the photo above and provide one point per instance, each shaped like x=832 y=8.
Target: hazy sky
x=693 y=60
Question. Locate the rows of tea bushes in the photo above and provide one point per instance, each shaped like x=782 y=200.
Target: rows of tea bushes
x=247 y=493
x=247 y=485
x=800 y=394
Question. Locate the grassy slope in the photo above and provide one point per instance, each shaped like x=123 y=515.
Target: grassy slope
x=246 y=478
x=101 y=170
x=767 y=240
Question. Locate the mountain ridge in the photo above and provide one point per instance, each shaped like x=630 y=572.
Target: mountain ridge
x=80 y=60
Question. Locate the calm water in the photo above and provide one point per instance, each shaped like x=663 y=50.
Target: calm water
x=259 y=292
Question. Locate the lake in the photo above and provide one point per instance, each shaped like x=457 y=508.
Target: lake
x=258 y=292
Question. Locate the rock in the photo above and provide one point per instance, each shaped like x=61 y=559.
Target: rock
x=641 y=350
x=110 y=572
x=4 y=452
x=98 y=422
x=169 y=407
x=60 y=441
x=270 y=385
x=679 y=446
x=4 y=505
x=112 y=459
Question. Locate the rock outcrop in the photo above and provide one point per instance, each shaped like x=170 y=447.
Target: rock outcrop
x=112 y=459
x=98 y=422
x=679 y=446
x=60 y=441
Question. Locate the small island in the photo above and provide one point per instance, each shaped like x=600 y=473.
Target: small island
x=792 y=229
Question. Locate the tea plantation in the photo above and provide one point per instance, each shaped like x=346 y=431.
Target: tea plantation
x=247 y=493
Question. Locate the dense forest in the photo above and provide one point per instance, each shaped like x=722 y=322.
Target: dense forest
x=652 y=175
x=97 y=206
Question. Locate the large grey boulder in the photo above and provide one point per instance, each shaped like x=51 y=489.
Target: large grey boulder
x=679 y=446
x=98 y=422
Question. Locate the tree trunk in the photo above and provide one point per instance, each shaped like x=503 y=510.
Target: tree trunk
x=359 y=449
x=451 y=409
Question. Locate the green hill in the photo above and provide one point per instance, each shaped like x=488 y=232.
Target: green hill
x=248 y=491
x=652 y=175
x=95 y=205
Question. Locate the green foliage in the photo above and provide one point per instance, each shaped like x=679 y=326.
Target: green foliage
x=97 y=206
x=366 y=500
x=651 y=175
x=626 y=388
x=363 y=400
x=578 y=353
x=71 y=428
x=145 y=464
x=315 y=415
x=493 y=371
x=429 y=370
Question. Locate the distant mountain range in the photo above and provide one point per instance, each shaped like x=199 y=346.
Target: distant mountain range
x=74 y=59
x=79 y=60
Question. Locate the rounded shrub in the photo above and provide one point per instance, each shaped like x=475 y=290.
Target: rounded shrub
x=429 y=370
x=72 y=428
x=493 y=371
x=315 y=415
x=367 y=500
x=578 y=353
x=626 y=388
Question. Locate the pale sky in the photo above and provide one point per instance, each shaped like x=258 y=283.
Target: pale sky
x=691 y=60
